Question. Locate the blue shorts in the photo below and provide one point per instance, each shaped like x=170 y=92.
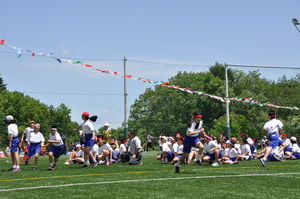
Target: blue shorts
x=88 y=142
x=297 y=155
x=212 y=156
x=178 y=156
x=288 y=149
x=233 y=159
x=271 y=158
x=274 y=140
x=170 y=155
x=33 y=149
x=57 y=150
x=14 y=145
x=189 y=142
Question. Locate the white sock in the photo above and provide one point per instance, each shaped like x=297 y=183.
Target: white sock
x=51 y=164
x=14 y=166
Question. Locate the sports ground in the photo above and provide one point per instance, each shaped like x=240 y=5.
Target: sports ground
x=248 y=179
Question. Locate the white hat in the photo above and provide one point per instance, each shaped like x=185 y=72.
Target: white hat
x=165 y=138
x=294 y=139
x=78 y=145
x=9 y=118
x=106 y=124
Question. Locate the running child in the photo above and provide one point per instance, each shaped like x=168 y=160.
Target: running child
x=57 y=146
x=35 y=141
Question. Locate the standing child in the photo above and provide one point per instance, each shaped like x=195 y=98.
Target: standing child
x=272 y=127
x=89 y=138
x=57 y=146
x=26 y=134
x=14 y=141
x=35 y=141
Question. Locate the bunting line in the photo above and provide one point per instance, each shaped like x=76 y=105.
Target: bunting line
x=222 y=99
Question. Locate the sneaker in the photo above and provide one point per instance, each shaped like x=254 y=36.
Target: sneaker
x=17 y=169
x=67 y=163
x=263 y=162
x=141 y=162
x=215 y=164
x=177 y=168
x=101 y=162
x=51 y=168
x=33 y=168
x=84 y=166
x=165 y=161
x=95 y=164
x=11 y=169
x=198 y=162
x=293 y=157
x=107 y=163
x=54 y=164
x=277 y=157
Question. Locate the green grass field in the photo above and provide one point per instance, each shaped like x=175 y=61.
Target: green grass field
x=247 y=179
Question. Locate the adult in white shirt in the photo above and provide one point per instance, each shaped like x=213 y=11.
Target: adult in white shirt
x=133 y=153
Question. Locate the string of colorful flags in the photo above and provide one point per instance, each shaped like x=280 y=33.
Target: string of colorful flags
x=50 y=55
x=222 y=99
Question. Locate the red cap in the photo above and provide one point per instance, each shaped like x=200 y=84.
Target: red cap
x=85 y=114
x=32 y=121
x=284 y=134
x=99 y=139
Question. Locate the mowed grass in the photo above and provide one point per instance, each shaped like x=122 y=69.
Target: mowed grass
x=247 y=179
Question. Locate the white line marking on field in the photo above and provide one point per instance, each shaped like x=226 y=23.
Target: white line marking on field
x=147 y=180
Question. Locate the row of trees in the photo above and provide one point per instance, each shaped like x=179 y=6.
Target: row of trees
x=168 y=110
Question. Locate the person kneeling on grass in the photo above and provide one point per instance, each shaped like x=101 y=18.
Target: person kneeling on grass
x=211 y=150
x=57 y=146
x=134 y=155
x=35 y=141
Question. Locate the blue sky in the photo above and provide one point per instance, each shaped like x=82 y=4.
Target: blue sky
x=166 y=36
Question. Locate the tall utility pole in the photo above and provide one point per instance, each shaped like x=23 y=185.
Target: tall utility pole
x=125 y=102
x=227 y=102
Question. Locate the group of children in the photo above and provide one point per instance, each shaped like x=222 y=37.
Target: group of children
x=34 y=141
x=178 y=150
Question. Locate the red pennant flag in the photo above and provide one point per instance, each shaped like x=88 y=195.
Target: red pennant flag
x=166 y=83
x=32 y=54
x=2 y=42
x=115 y=73
x=86 y=65
x=129 y=76
x=98 y=70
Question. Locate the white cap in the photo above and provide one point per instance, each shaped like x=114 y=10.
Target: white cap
x=294 y=139
x=106 y=124
x=165 y=138
x=78 y=145
x=9 y=118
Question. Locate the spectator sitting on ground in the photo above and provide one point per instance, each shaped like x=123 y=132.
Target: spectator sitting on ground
x=211 y=150
x=288 y=151
x=230 y=156
x=179 y=152
x=76 y=156
x=122 y=148
x=166 y=154
x=105 y=152
x=245 y=150
x=296 y=150
x=115 y=152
